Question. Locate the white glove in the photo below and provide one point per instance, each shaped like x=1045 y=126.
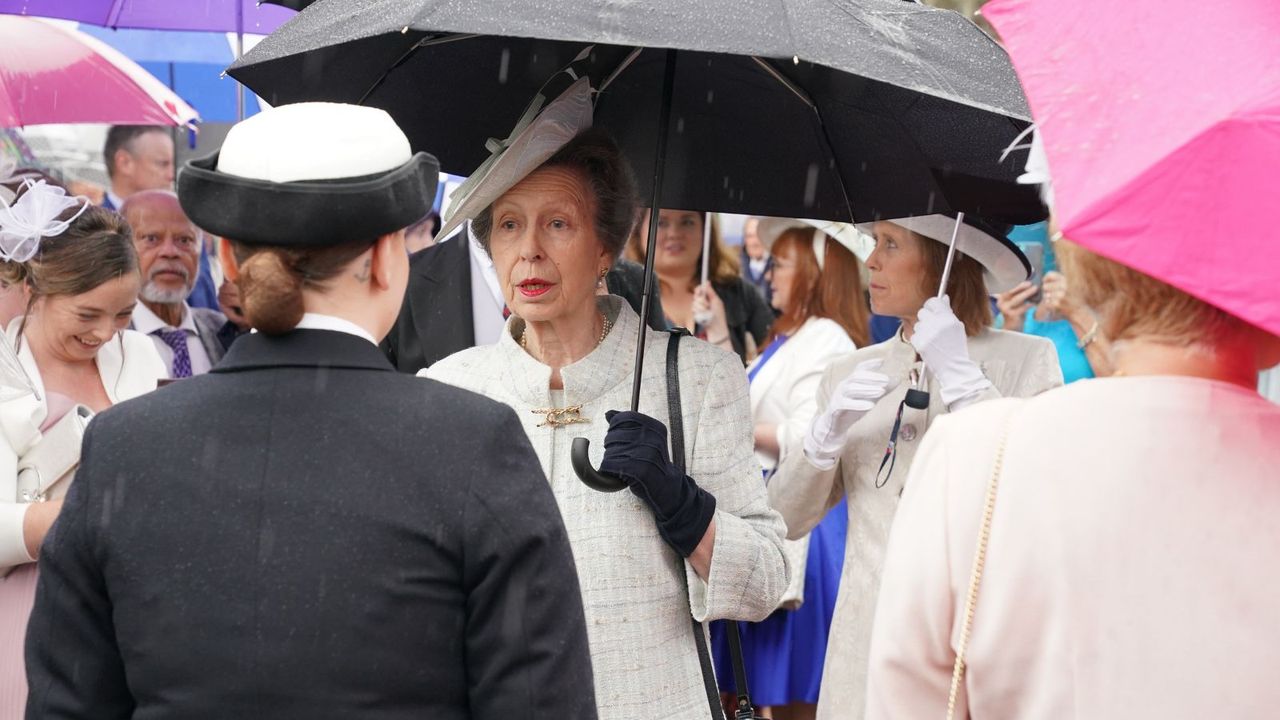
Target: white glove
x=940 y=339
x=853 y=398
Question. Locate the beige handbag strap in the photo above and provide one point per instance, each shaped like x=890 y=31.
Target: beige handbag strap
x=975 y=575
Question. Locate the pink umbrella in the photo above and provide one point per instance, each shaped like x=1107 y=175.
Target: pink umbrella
x=1161 y=127
x=53 y=74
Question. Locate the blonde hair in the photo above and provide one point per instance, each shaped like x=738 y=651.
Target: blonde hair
x=1131 y=305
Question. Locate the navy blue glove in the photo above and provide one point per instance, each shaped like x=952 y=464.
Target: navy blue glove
x=635 y=450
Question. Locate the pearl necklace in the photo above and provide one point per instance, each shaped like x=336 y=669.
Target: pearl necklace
x=605 y=327
x=572 y=415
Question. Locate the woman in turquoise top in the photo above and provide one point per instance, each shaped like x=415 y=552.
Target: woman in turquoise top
x=1060 y=317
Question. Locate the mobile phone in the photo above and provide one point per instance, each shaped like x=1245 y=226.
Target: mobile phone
x=1035 y=254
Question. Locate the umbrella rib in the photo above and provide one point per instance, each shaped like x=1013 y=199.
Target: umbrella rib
x=822 y=126
x=113 y=16
x=786 y=82
x=424 y=42
x=626 y=62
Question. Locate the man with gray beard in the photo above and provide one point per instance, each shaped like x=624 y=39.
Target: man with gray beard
x=168 y=246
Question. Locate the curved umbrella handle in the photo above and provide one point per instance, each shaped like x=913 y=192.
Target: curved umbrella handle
x=589 y=476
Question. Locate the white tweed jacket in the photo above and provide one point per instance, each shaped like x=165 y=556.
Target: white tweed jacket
x=637 y=592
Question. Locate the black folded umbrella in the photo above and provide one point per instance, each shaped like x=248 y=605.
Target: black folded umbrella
x=849 y=110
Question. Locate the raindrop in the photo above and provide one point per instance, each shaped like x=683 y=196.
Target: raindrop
x=726 y=182
x=679 y=125
x=404 y=30
x=503 y=64
x=811 y=185
x=711 y=96
x=932 y=198
x=795 y=59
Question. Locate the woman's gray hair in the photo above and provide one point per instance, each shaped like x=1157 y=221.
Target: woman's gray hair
x=610 y=179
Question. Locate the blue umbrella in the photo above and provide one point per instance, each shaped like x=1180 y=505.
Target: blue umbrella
x=190 y=63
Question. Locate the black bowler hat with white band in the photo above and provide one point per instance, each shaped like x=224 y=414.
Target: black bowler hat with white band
x=1003 y=263
x=310 y=175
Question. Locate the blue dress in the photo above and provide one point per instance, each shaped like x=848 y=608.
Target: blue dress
x=784 y=653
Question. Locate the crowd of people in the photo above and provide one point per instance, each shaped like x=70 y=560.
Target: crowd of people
x=286 y=443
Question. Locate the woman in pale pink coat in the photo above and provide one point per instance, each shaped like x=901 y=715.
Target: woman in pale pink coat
x=1131 y=565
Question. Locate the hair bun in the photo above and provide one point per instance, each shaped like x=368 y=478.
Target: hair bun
x=271 y=292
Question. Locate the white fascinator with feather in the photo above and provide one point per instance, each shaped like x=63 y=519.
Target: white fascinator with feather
x=32 y=217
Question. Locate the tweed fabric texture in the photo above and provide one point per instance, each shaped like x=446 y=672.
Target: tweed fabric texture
x=637 y=592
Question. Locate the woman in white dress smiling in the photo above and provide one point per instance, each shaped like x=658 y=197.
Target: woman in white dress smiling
x=79 y=276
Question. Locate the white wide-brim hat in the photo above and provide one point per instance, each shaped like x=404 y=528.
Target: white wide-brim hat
x=1004 y=265
x=854 y=240
x=769 y=229
x=539 y=134
x=310 y=174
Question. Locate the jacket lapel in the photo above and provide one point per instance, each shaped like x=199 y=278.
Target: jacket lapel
x=207 y=327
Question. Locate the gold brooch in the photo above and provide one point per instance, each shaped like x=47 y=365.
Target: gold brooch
x=559 y=417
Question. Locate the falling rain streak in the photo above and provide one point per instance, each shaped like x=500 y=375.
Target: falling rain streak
x=811 y=185
x=504 y=63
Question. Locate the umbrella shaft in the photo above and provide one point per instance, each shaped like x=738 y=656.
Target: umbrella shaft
x=659 y=164
x=951 y=255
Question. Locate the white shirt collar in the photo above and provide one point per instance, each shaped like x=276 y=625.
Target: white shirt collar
x=147 y=322
x=116 y=201
x=317 y=321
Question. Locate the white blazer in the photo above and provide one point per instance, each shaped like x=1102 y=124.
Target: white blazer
x=129 y=366
x=785 y=391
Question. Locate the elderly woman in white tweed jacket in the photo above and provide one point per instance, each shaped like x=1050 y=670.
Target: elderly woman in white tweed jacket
x=705 y=543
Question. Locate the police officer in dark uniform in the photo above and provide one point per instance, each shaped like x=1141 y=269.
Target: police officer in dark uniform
x=304 y=532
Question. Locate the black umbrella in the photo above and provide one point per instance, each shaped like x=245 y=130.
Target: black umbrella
x=842 y=110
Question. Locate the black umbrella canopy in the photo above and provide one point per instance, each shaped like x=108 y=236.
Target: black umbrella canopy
x=862 y=108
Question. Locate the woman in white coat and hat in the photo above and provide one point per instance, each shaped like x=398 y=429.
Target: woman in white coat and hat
x=864 y=435
x=816 y=278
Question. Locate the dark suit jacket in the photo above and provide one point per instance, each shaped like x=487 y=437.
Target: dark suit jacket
x=339 y=541
x=746 y=314
x=435 y=320
x=209 y=328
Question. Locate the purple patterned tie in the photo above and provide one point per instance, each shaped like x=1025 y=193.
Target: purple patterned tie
x=177 y=340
